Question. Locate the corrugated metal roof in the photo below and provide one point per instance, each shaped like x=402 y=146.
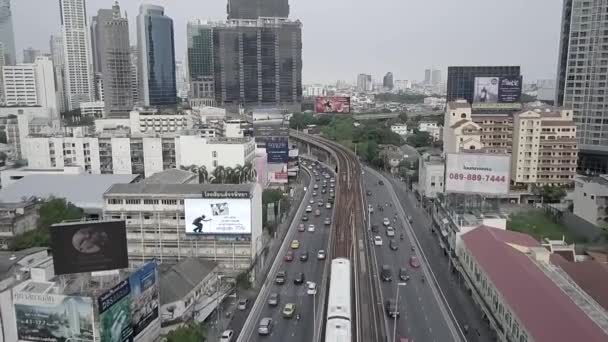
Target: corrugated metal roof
x=591 y=276
x=180 y=279
x=171 y=176
x=141 y=188
x=546 y=312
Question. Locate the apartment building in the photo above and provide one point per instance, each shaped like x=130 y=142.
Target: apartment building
x=496 y=132
x=590 y=199
x=154 y=211
x=31 y=84
x=544 y=147
x=95 y=109
x=431 y=171
x=122 y=153
x=152 y=120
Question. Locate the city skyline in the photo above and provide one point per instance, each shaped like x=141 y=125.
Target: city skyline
x=409 y=43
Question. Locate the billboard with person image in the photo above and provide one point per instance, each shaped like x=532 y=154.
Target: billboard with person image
x=217 y=216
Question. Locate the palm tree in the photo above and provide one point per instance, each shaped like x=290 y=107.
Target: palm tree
x=238 y=174
x=249 y=173
x=219 y=174
x=203 y=174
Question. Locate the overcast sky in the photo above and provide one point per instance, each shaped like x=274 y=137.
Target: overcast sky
x=344 y=37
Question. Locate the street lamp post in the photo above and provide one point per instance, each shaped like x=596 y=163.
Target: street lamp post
x=397 y=309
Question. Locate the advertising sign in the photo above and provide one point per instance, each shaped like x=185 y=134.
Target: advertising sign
x=477 y=173
x=278 y=177
x=144 y=300
x=497 y=89
x=89 y=246
x=271 y=131
x=53 y=318
x=217 y=216
x=333 y=104
x=277 y=151
x=115 y=314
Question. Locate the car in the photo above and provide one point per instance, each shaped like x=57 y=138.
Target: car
x=323 y=191
x=409 y=219
x=311 y=288
x=295 y=244
x=227 y=336
x=288 y=256
x=324 y=185
x=393 y=245
x=326 y=176
x=390 y=232
x=289 y=310
x=273 y=299
x=309 y=208
x=386 y=274
x=312 y=201
x=321 y=254
x=304 y=256
x=370 y=208
x=414 y=262
x=311 y=228
x=330 y=199
x=403 y=274
x=299 y=279
x=391 y=309
x=242 y=305
x=333 y=180
x=377 y=240
x=380 y=182
x=320 y=204
x=327 y=205
x=304 y=218
x=375 y=228
x=332 y=185
x=301 y=227
x=265 y=326
x=317 y=212
x=281 y=278
x=317 y=179
x=327 y=221
x=316 y=186
x=314 y=193
x=386 y=222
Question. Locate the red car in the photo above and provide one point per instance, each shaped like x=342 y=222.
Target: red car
x=289 y=256
x=414 y=262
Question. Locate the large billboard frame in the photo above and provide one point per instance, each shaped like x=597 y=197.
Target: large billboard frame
x=477 y=177
x=332 y=105
x=213 y=216
x=497 y=90
x=277 y=151
x=115 y=319
x=89 y=246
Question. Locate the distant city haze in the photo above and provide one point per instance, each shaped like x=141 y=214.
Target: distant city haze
x=342 y=38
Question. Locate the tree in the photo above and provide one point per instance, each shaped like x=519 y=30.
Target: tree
x=549 y=193
x=219 y=175
x=192 y=332
x=53 y=210
x=420 y=139
x=3 y=137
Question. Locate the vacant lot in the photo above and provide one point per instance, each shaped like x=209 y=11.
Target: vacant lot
x=536 y=223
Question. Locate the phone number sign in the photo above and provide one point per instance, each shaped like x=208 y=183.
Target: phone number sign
x=477 y=173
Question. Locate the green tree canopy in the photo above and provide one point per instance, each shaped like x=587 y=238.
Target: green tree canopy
x=188 y=333
x=420 y=139
x=550 y=194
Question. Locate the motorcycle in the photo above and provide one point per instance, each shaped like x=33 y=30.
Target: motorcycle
x=297 y=317
x=422 y=279
x=401 y=236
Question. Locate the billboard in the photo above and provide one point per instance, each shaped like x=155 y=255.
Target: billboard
x=477 y=173
x=115 y=314
x=277 y=151
x=217 y=216
x=145 y=306
x=332 y=104
x=89 y=246
x=53 y=318
x=497 y=89
x=271 y=131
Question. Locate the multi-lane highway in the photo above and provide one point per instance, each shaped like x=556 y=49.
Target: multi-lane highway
x=307 y=307
x=423 y=314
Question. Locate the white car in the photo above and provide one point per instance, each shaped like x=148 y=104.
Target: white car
x=312 y=201
x=327 y=205
x=311 y=228
x=309 y=208
x=370 y=208
x=311 y=289
x=377 y=240
x=386 y=222
x=321 y=254
x=227 y=336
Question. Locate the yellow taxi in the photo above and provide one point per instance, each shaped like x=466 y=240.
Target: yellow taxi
x=295 y=244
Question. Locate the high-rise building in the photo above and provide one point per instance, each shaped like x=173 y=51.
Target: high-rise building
x=31 y=84
x=254 y=9
x=30 y=54
x=435 y=77
x=200 y=60
x=427 y=76
x=582 y=79
x=364 y=82
x=56 y=48
x=461 y=79
x=258 y=63
x=112 y=59
x=387 y=82
x=76 y=47
x=7 y=35
x=134 y=74
x=156 y=57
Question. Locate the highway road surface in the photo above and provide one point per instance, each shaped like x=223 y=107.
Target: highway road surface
x=423 y=314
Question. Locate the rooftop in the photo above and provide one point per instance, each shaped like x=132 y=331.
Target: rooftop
x=459 y=104
x=83 y=190
x=589 y=275
x=178 y=280
x=171 y=176
x=142 y=188
x=8 y=259
x=538 y=302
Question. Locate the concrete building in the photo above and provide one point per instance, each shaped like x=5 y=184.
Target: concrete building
x=364 y=83
x=545 y=91
x=400 y=128
x=144 y=154
x=112 y=59
x=31 y=85
x=402 y=85
x=17 y=218
x=155 y=217
x=7 y=35
x=30 y=54
x=461 y=79
x=426 y=126
x=582 y=79
x=156 y=57
x=135 y=86
x=315 y=90
x=460 y=132
x=494 y=264
x=56 y=48
x=590 y=199
x=544 y=148
x=431 y=171
x=152 y=120
x=76 y=48
x=95 y=109
x=234 y=128
x=10 y=176
x=254 y=9
x=18 y=122
x=387 y=81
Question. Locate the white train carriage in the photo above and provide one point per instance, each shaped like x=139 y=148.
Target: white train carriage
x=338 y=325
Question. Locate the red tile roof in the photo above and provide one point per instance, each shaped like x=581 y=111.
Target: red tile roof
x=589 y=275
x=546 y=312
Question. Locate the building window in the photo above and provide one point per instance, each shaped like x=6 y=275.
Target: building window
x=114 y=201
x=214 y=154
x=150 y=201
x=132 y=201
x=215 y=163
x=169 y=202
